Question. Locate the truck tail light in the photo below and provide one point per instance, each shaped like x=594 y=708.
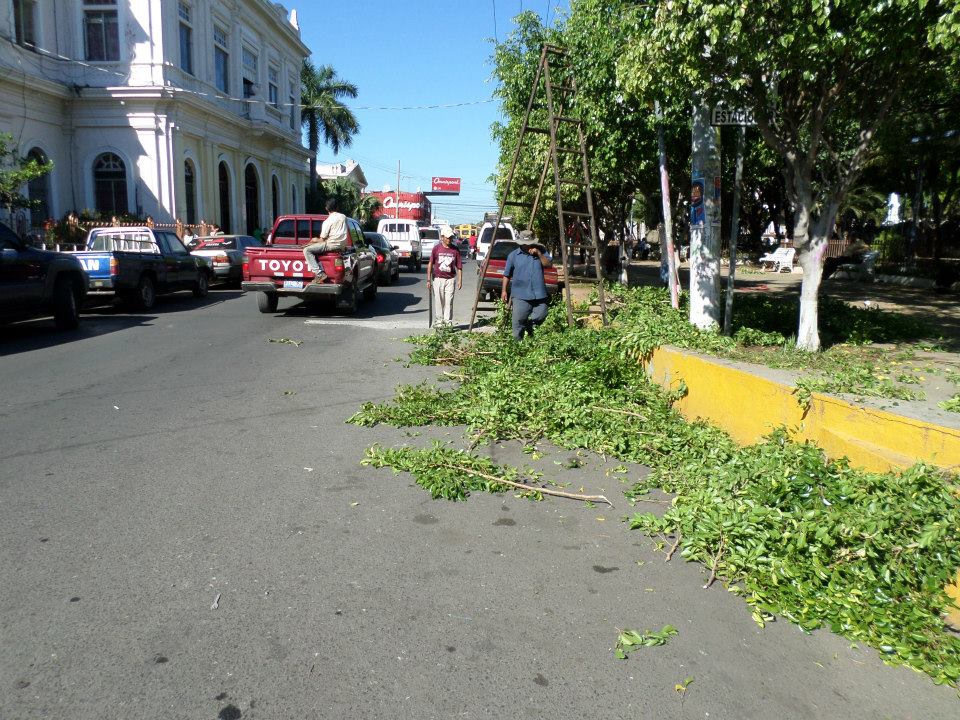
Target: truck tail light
x=380 y=258
x=114 y=267
x=221 y=258
x=246 y=266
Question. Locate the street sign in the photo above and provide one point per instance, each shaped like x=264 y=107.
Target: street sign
x=732 y=116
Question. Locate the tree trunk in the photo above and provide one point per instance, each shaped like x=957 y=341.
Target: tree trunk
x=705 y=226
x=810 y=239
x=313 y=172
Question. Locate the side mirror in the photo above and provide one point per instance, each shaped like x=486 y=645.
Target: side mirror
x=395 y=247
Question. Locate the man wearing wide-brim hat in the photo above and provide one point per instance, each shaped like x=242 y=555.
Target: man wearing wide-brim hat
x=524 y=274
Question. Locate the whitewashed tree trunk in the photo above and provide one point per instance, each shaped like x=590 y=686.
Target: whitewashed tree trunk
x=705 y=239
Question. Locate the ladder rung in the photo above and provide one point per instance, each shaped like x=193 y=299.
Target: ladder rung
x=543 y=131
x=589 y=312
x=555 y=49
x=518 y=204
x=569 y=181
x=572 y=151
x=577 y=214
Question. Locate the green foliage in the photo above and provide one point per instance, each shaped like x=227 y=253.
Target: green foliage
x=952 y=404
x=819 y=543
x=15 y=172
x=444 y=472
x=630 y=640
x=815 y=541
x=890 y=244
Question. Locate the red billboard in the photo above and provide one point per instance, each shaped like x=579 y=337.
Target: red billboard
x=446 y=185
x=409 y=206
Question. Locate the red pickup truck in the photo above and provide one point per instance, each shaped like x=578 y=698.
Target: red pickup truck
x=493 y=276
x=279 y=268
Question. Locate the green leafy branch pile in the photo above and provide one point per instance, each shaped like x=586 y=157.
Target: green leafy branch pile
x=815 y=541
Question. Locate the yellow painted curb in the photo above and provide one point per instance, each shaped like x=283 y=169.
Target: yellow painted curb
x=748 y=407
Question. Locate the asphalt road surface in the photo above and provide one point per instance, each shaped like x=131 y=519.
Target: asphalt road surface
x=187 y=532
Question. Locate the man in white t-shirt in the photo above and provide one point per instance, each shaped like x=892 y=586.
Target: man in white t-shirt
x=333 y=236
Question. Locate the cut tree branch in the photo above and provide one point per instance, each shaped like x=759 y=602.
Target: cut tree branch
x=528 y=488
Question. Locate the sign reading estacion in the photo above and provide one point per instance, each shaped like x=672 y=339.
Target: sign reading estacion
x=732 y=116
x=446 y=185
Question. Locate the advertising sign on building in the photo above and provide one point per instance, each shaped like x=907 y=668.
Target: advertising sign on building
x=408 y=206
x=447 y=185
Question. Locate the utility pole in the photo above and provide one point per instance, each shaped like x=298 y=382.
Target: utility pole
x=666 y=244
x=704 y=223
x=734 y=231
x=396 y=203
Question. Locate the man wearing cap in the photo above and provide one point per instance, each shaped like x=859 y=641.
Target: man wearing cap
x=524 y=273
x=444 y=266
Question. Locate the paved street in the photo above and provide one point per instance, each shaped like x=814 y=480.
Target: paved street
x=154 y=463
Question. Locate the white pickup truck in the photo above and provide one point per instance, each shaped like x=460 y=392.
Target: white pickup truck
x=404 y=235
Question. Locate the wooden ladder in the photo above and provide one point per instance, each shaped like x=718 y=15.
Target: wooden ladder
x=559 y=102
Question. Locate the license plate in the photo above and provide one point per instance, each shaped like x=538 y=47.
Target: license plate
x=293 y=284
x=97 y=283
x=403 y=254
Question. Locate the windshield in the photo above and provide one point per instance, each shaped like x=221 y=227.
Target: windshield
x=429 y=234
x=136 y=241
x=501 y=249
x=503 y=233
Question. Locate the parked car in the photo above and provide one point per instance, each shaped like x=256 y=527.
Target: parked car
x=280 y=270
x=138 y=263
x=485 y=236
x=405 y=234
x=39 y=283
x=492 y=280
x=429 y=236
x=225 y=254
x=388 y=259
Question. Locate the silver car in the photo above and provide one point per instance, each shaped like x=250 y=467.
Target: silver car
x=224 y=255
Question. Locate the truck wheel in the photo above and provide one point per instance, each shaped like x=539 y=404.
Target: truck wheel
x=419 y=263
x=370 y=291
x=66 y=311
x=202 y=286
x=267 y=302
x=146 y=296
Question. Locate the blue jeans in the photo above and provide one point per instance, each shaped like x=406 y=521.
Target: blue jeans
x=527 y=314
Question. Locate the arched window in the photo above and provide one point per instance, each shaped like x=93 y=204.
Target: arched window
x=38 y=190
x=224 y=173
x=110 y=184
x=275 y=187
x=190 y=190
x=251 y=190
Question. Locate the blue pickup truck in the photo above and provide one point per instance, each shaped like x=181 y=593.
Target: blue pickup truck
x=138 y=263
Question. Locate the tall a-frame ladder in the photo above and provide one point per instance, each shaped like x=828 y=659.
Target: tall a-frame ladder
x=556 y=83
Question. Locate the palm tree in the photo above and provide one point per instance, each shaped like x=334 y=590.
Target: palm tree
x=367 y=210
x=322 y=112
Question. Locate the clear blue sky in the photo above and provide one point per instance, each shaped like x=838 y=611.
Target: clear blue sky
x=419 y=52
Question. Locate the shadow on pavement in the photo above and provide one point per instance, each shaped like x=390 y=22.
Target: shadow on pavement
x=38 y=334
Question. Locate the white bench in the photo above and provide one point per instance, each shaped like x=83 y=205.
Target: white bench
x=863 y=270
x=780 y=260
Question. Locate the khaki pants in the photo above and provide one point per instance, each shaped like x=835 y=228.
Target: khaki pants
x=443 y=290
x=311 y=251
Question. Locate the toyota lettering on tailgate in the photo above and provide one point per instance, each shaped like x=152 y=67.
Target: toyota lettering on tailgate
x=285 y=266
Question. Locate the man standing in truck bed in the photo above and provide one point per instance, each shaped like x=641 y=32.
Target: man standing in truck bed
x=333 y=236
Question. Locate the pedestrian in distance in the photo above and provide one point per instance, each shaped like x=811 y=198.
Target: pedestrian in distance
x=528 y=291
x=444 y=267
x=215 y=230
x=333 y=237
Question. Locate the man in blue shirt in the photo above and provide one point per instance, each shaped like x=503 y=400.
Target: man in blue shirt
x=524 y=273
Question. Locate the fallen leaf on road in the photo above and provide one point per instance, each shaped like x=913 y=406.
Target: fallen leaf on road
x=681 y=688
x=216 y=602
x=285 y=341
x=115 y=407
x=354 y=504
x=289 y=392
x=308 y=469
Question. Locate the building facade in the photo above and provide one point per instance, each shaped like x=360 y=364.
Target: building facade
x=176 y=109
x=349 y=170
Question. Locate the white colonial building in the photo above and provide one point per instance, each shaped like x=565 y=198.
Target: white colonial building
x=178 y=109
x=350 y=170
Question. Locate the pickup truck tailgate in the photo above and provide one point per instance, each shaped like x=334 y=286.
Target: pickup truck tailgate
x=285 y=266
x=98 y=265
